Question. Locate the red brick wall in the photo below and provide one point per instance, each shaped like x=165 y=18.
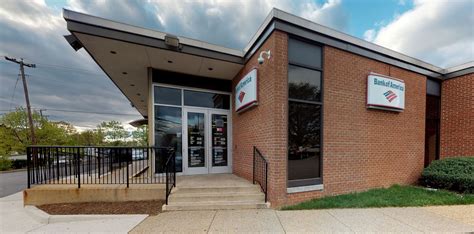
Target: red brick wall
x=367 y=148
x=457 y=117
x=264 y=125
x=362 y=148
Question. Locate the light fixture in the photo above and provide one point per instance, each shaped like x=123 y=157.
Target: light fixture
x=171 y=40
x=260 y=58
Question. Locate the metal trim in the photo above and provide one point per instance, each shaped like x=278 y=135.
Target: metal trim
x=459 y=73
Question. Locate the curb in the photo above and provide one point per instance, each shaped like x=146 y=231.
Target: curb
x=45 y=218
x=12 y=171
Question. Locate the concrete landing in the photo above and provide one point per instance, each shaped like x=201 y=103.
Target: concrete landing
x=215 y=192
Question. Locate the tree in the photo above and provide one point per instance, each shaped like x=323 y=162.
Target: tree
x=15 y=136
x=140 y=135
x=114 y=132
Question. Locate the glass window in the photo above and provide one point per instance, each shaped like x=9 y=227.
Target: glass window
x=304 y=136
x=204 y=99
x=304 y=53
x=304 y=84
x=167 y=96
x=168 y=134
x=304 y=113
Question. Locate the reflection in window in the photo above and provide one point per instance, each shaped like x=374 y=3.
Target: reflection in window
x=303 y=140
x=204 y=99
x=168 y=134
x=304 y=117
x=304 y=84
x=304 y=54
x=167 y=96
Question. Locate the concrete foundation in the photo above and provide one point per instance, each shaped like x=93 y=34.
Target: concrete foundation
x=54 y=194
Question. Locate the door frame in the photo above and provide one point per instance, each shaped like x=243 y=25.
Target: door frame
x=151 y=121
x=208 y=168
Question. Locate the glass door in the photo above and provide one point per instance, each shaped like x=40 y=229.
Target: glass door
x=195 y=141
x=206 y=137
x=220 y=141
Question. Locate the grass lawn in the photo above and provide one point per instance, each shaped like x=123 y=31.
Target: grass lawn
x=395 y=196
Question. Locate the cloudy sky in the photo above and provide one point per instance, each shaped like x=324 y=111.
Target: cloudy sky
x=69 y=86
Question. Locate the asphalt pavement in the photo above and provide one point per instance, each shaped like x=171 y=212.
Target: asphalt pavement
x=12 y=182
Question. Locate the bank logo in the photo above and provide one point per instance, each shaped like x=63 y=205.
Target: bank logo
x=241 y=96
x=390 y=95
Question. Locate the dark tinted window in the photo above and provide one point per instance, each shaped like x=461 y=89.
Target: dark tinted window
x=304 y=136
x=168 y=134
x=204 y=99
x=303 y=53
x=168 y=96
x=304 y=84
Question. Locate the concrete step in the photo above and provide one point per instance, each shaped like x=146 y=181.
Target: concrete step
x=202 y=197
x=220 y=189
x=215 y=205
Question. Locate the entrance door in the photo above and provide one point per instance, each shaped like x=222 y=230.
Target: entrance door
x=206 y=139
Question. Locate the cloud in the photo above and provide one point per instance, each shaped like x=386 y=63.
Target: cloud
x=34 y=31
x=439 y=32
x=68 y=80
x=223 y=22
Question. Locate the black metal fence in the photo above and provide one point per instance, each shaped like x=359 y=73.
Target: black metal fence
x=98 y=165
x=170 y=173
x=260 y=171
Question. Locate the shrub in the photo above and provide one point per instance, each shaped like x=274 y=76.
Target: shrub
x=5 y=163
x=452 y=173
x=18 y=163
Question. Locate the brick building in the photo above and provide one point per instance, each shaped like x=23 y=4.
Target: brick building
x=304 y=110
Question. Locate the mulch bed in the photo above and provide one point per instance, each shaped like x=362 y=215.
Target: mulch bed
x=131 y=207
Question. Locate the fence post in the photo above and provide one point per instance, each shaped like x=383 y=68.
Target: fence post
x=28 y=159
x=174 y=168
x=253 y=175
x=128 y=161
x=166 y=182
x=78 y=168
x=266 y=181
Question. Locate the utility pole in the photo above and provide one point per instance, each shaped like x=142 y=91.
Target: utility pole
x=28 y=107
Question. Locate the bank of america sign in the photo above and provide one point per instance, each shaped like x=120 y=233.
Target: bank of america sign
x=246 y=91
x=384 y=92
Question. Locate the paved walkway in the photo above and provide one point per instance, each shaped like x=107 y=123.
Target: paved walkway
x=16 y=218
x=428 y=219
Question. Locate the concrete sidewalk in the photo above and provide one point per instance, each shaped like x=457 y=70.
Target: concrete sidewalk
x=429 y=219
x=16 y=218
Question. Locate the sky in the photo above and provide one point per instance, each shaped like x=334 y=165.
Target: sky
x=68 y=85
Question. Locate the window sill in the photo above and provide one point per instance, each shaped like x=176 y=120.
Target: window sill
x=300 y=189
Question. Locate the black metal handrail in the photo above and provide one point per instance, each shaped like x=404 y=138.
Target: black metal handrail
x=260 y=171
x=96 y=165
x=170 y=173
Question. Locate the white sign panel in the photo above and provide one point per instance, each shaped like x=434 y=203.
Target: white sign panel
x=385 y=93
x=246 y=91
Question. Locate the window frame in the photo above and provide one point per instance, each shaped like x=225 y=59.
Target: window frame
x=308 y=181
x=182 y=106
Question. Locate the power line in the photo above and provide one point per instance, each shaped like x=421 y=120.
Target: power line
x=14 y=89
x=78 y=111
x=54 y=66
